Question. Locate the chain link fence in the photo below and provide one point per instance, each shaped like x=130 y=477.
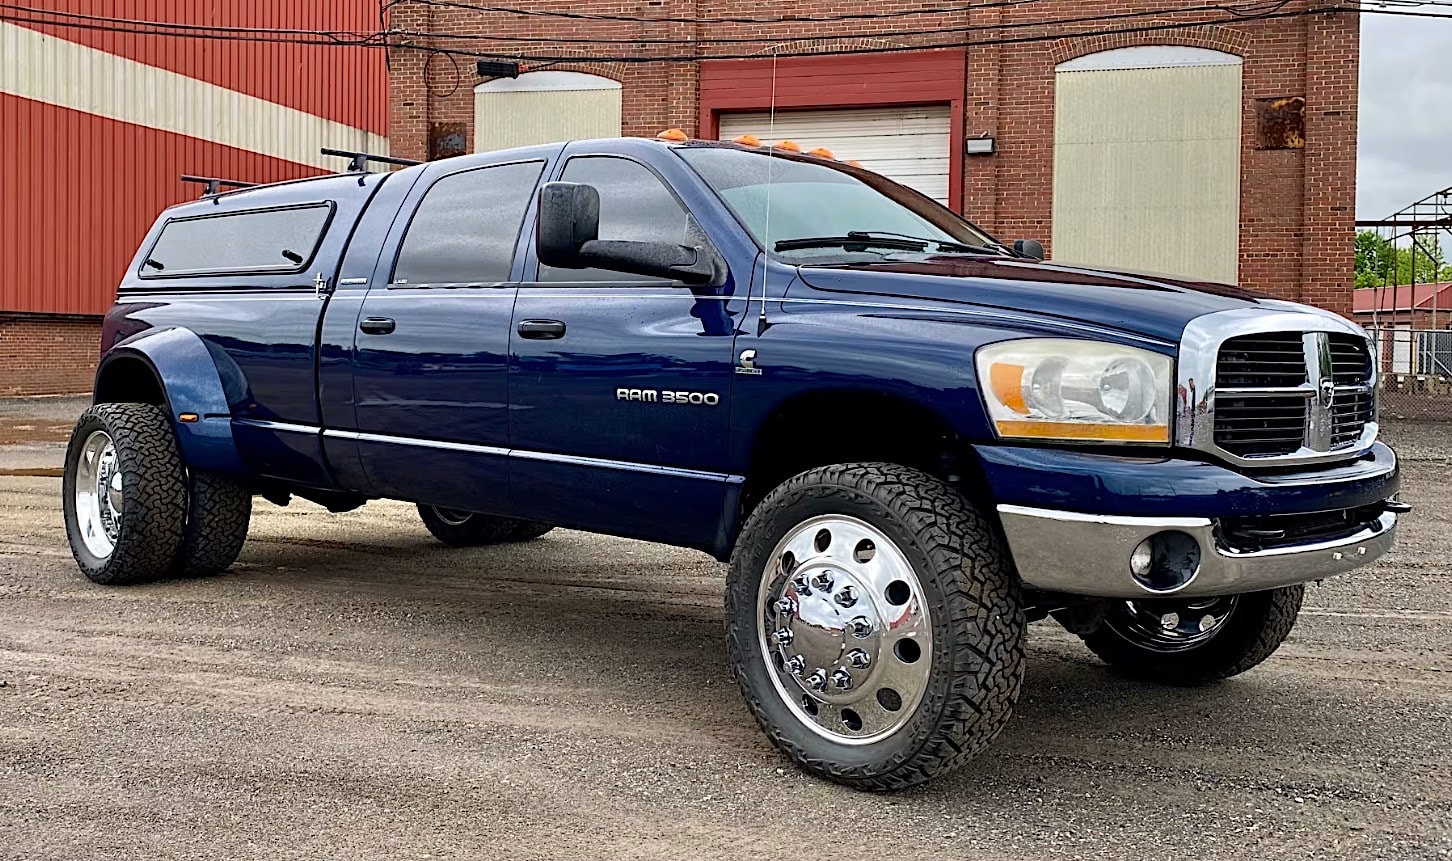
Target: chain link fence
x=1416 y=373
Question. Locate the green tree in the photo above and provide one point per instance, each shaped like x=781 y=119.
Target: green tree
x=1379 y=261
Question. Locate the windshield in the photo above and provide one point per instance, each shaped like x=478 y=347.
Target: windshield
x=813 y=198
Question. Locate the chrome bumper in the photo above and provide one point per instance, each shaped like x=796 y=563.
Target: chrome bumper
x=1087 y=554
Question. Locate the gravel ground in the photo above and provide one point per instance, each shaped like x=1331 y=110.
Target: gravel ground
x=353 y=689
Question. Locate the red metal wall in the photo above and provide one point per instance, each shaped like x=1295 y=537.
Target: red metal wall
x=78 y=191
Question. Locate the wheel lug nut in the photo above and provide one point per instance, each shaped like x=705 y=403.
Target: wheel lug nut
x=801 y=584
x=783 y=636
x=860 y=627
x=1206 y=623
x=796 y=665
x=817 y=681
x=842 y=680
x=823 y=581
x=1170 y=621
x=846 y=596
x=785 y=606
x=859 y=659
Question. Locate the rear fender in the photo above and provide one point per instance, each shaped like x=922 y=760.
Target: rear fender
x=194 y=378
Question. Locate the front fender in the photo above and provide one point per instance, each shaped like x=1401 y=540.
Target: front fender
x=194 y=378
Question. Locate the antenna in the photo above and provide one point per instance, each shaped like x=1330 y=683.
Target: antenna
x=761 y=323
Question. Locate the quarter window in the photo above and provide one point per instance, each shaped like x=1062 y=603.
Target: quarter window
x=467 y=226
x=634 y=205
x=253 y=241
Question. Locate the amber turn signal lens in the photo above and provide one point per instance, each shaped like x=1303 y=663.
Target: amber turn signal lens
x=189 y=418
x=672 y=135
x=1084 y=430
x=1007 y=383
x=790 y=146
x=747 y=140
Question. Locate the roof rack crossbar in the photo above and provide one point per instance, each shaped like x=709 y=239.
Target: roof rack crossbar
x=358 y=161
x=214 y=185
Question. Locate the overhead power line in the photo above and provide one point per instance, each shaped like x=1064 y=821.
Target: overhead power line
x=1239 y=12
x=954 y=9
x=31 y=16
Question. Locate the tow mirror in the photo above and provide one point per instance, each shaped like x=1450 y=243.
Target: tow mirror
x=1029 y=248
x=569 y=216
x=567 y=236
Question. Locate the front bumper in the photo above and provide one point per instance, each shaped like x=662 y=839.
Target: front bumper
x=1073 y=518
x=1087 y=554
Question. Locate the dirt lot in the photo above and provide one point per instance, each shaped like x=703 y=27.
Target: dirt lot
x=355 y=690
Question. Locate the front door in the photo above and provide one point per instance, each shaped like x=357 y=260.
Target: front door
x=619 y=385
x=430 y=369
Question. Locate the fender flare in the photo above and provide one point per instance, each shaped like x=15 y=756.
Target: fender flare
x=194 y=377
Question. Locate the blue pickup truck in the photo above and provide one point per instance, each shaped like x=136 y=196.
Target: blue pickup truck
x=908 y=439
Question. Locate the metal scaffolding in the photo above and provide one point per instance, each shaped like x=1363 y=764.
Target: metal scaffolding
x=1416 y=227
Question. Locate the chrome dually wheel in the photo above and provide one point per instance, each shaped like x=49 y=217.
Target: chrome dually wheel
x=845 y=629
x=874 y=624
x=98 y=494
x=124 y=492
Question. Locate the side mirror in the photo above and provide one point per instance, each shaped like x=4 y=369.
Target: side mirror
x=1029 y=248
x=567 y=231
x=569 y=216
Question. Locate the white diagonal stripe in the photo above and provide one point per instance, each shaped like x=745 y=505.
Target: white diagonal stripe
x=57 y=72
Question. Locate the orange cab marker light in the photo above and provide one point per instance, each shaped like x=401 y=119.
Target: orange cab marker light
x=822 y=152
x=188 y=418
x=747 y=140
x=854 y=163
x=673 y=135
x=790 y=146
x=1077 y=430
x=1007 y=383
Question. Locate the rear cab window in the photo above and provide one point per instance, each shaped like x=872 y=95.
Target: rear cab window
x=278 y=240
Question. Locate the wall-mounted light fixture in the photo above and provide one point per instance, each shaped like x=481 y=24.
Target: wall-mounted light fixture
x=979 y=146
x=497 y=69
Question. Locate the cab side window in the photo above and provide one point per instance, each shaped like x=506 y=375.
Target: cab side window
x=634 y=205
x=466 y=228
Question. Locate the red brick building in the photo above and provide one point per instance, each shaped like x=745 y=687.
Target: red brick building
x=1136 y=182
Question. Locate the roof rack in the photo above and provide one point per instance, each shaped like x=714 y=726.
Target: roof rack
x=359 y=160
x=215 y=185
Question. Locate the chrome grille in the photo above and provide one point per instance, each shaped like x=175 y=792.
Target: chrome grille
x=1280 y=394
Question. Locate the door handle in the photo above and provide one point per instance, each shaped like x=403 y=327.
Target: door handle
x=541 y=330
x=376 y=325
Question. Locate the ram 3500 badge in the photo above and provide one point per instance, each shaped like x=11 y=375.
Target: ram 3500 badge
x=953 y=438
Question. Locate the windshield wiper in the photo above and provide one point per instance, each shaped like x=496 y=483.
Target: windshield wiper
x=853 y=241
x=942 y=244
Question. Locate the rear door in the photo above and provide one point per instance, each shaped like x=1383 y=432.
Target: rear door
x=430 y=357
x=619 y=385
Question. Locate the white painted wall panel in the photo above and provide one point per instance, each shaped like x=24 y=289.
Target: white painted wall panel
x=909 y=145
x=545 y=107
x=1147 y=170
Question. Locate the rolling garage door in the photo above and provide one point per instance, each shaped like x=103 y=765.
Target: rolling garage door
x=910 y=145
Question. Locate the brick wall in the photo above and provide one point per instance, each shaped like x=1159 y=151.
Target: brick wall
x=1297 y=205
x=48 y=355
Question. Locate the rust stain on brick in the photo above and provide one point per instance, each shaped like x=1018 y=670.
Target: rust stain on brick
x=447 y=140
x=1281 y=123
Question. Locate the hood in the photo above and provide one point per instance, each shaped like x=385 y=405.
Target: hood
x=1150 y=305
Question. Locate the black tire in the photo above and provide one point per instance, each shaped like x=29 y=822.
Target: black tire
x=467 y=529
x=969 y=590
x=152 y=514
x=1256 y=626
x=219 y=511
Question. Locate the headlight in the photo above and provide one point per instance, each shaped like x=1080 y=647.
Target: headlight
x=1046 y=388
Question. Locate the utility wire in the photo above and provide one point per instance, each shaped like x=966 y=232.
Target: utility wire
x=1240 y=13
x=784 y=19
x=383 y=39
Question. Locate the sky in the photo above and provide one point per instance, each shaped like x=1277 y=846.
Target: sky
x=1405 y=149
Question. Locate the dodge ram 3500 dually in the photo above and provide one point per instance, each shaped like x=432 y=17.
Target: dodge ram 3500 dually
x=908 y=439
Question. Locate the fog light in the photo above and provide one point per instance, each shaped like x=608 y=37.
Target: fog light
x=1165 y=562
